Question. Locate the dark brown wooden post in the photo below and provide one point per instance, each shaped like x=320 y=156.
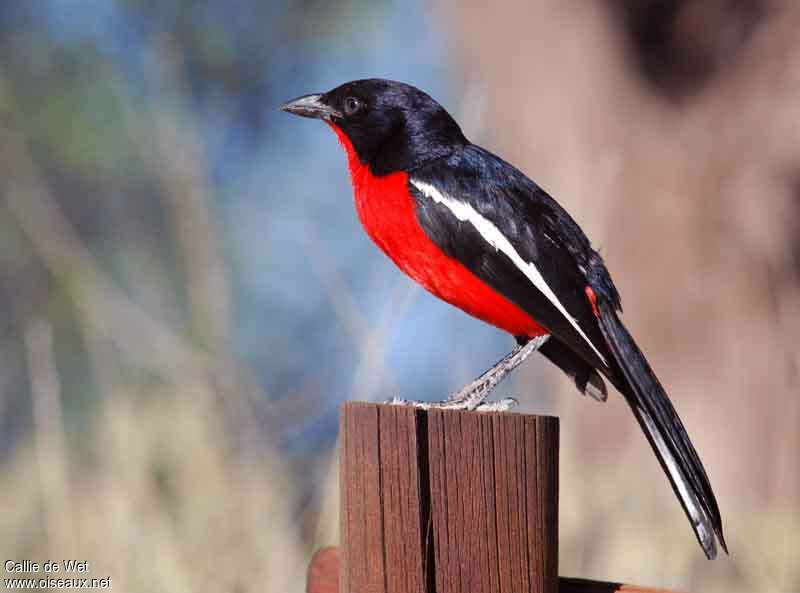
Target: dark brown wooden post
x=323 y=577
x=451 y=502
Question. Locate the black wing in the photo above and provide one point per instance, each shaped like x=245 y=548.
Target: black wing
x=540 y=232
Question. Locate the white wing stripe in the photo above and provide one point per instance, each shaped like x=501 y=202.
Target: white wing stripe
x=487 y=229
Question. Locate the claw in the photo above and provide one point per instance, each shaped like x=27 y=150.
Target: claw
x=503 y=405
x=397 y=401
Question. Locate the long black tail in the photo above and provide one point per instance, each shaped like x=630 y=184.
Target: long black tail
x=665 y=431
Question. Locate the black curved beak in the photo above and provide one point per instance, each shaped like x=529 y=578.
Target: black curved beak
x=310 y=106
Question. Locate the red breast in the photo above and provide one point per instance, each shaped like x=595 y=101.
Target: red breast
x=386 y=210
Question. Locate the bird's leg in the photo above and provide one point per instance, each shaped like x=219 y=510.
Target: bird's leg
x=473 y=395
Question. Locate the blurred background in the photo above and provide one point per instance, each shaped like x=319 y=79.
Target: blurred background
x=187 y=295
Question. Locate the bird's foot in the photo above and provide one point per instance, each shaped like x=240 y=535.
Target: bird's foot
x=502 y=405
x=473 y=396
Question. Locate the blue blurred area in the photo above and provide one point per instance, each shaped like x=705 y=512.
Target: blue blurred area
x=86 y=77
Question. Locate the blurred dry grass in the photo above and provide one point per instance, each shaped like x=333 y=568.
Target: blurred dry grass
x=158 y=500
x=175 y=485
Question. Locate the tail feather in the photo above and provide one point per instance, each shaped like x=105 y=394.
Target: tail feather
x=586 y=378
x=664 y=431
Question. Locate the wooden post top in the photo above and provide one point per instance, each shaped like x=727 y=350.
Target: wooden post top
x=447 y=501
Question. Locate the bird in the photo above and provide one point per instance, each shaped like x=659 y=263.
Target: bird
x=476 y=232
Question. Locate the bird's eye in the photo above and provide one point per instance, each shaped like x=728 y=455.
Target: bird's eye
x=352 y=106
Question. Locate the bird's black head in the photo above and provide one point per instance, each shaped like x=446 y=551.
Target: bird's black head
x=392 y=126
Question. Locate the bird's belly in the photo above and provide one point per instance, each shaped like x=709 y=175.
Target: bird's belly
x=387 y=212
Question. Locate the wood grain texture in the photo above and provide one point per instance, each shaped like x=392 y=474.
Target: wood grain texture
x=447 y=501
x=323 y=577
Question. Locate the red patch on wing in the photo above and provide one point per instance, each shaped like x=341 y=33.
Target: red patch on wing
x=386 y=210
x=592 y=300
